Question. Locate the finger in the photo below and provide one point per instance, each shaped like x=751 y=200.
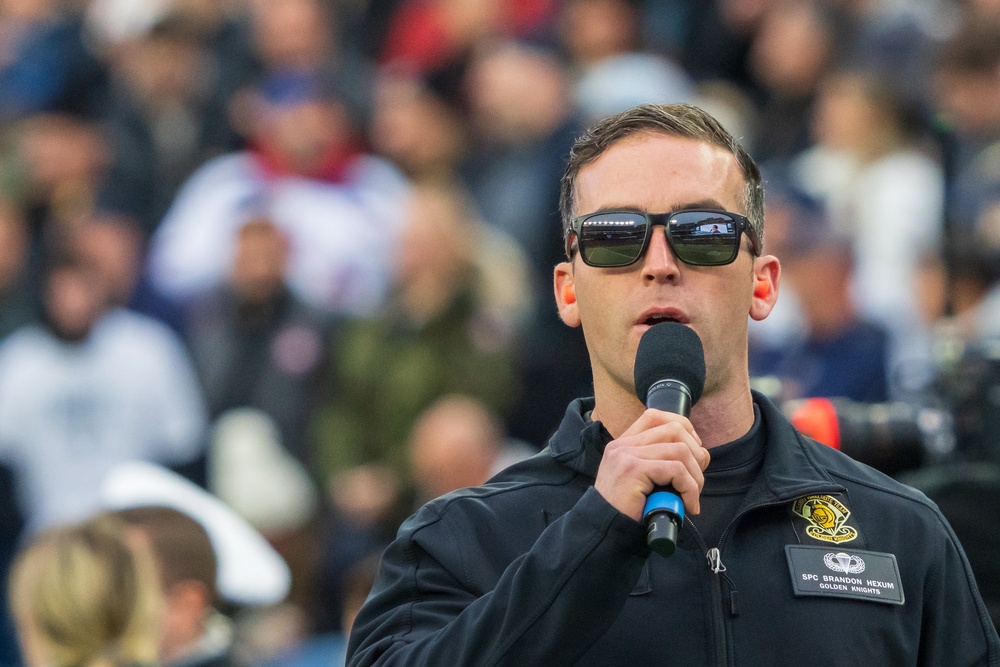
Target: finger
x=663 y=464
x=675 y=474
x=652 y=418
x=672 y=451
x=669 y=432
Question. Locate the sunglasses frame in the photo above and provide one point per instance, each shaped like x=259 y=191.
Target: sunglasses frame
x=743 y=226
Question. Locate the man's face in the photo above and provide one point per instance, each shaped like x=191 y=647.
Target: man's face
x=655 y=172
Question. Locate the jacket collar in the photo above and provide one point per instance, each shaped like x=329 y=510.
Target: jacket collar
x=790 y=470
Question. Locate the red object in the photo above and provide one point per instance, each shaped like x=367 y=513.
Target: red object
x=418 y=33
x=817 y=418
x=331 y=167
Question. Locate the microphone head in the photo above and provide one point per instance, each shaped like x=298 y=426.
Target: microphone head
x=670 y=351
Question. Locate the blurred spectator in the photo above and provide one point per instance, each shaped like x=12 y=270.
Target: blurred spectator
x=967 y=87
x=222 y=46
x=88 y=388
x=112 y=244
x=455 y=442
x=448 y=328
x=254 y=343
x=963 y=300
x=836 y=353
x=881 y=188
x=63 y=179
x=594 y=30
x=894 y=41
x=791 y=49
x=523 y=122
x=419 y=123
x=63 y=163
x=451 y=327
x=297 y=36
x=603 y=39
x=308 y=173
x=441 y=333
x=192 y=632
x=86 y=596
x=161 y=81
x=44 y=63
x=458 y=442
x=710 y=40
x=17 y=300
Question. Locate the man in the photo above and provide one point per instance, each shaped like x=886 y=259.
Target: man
x=193 y=633
x=90 y=386
x=548 y=563
x=306 y=172
x=255 y=343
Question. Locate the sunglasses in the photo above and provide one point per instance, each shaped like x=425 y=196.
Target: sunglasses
x=702 y=237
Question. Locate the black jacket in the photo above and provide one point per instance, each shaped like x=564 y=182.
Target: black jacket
x=536 y=568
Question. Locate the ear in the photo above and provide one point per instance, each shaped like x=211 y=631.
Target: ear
x=767 y=275
x=188 y=598
x=565 y=291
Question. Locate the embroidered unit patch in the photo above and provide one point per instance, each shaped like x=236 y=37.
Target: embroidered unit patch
x=827 y=518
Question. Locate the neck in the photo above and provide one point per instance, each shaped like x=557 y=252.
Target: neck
x=723 y=417
x=719 y=417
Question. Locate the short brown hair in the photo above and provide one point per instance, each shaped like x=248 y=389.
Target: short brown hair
x=180 y=545
x=680 y=120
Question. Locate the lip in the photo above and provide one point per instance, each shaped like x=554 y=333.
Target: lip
x=674 y=314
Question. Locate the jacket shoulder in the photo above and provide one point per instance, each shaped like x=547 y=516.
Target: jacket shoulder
x=855 y=474
x=520 y=488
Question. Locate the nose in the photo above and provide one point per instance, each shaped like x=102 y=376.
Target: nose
x=659 y=264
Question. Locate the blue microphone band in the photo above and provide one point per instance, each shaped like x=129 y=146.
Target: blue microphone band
x=664 y=501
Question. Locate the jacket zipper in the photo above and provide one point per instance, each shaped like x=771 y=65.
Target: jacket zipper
x=715 y=564
x=718 y=619
x=714 y=558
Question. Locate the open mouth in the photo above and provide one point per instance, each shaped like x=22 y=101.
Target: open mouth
x=657 y=319
x=655 y=316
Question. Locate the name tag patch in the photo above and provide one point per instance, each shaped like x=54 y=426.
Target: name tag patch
x=844 y=573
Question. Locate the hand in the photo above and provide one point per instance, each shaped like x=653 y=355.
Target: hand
x=659 y=449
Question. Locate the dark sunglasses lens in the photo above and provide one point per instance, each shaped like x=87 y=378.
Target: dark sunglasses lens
x=612 y=239
x=705 y=238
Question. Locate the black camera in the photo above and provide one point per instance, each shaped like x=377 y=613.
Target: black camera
x=955 y=418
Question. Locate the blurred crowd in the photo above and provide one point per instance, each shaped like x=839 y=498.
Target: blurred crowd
x=299 y=251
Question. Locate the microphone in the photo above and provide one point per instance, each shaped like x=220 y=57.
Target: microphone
x=669 y=376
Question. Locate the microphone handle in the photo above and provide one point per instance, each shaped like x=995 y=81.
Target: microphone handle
x=664 y=510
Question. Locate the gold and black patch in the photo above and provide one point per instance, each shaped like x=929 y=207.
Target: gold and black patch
x=823 y=518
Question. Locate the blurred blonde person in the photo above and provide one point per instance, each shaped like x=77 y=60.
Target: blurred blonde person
x=85 y=595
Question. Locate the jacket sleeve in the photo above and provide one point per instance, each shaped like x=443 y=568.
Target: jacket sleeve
x=957 y=629
x=547 y=608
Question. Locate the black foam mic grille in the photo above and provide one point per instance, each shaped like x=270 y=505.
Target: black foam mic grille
x=670 y=351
